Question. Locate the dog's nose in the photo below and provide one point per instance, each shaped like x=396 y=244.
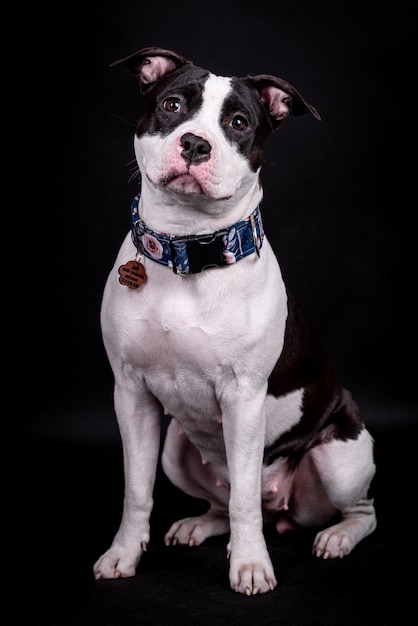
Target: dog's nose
x=195 y=148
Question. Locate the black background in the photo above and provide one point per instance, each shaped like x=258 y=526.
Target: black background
x=339 y=205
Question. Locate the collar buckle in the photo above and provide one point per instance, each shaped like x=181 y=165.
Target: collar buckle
x=203 y=251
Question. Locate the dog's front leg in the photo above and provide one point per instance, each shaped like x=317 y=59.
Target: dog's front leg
x=251 y=570
x=139 y=419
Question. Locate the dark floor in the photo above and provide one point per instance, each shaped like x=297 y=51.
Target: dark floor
x=67 y=512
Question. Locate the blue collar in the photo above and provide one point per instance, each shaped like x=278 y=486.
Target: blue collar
x=194 y=253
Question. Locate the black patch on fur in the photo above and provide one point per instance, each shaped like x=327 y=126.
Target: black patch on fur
x=329 y=411
x=187 y=82
x=244 y=100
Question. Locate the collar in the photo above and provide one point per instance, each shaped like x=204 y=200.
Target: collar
x=194 y=253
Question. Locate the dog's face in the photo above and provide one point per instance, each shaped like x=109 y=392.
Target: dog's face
x=202 y=134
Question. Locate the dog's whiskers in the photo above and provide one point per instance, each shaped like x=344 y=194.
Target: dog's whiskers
x=134 y=169
x=121 y=119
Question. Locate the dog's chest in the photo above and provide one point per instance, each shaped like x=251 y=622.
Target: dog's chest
x=189 y=339
x=177 y=342
x=178 y=360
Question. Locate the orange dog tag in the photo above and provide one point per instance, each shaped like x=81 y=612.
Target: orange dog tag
x=132 y=274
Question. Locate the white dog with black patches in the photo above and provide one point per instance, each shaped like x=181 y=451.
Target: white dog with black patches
x=197 y=322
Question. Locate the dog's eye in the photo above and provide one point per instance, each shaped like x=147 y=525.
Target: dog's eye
x=239 y=122
x=172 y=104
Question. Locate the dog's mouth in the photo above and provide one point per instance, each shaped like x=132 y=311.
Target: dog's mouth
x=184 y=183
x=180 y=182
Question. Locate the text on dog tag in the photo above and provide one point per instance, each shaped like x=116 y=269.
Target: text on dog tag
x=132 y=274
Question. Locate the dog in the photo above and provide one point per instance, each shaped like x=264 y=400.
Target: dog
x=198 y=324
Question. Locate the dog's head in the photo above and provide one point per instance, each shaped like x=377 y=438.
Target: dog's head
x=202 y=135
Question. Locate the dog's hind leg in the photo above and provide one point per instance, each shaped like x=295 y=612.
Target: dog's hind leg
x=345 y=470
x=183 y=465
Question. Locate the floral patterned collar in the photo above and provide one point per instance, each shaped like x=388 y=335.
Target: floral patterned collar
x=194 y=253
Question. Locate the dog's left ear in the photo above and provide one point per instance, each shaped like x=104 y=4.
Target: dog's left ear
x=151 y=64
x=281 y=98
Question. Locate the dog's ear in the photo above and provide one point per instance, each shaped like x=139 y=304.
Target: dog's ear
x=150 y=64
x=281 y=98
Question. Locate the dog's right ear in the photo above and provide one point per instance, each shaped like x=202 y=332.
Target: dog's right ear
x=151 y=64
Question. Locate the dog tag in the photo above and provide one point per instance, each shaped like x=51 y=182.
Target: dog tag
x=132 y=274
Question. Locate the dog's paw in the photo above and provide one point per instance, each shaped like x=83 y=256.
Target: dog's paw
x=117 y=562
x=339 y=540
x=192 y=531
x=252 y=578
x=333 y=543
